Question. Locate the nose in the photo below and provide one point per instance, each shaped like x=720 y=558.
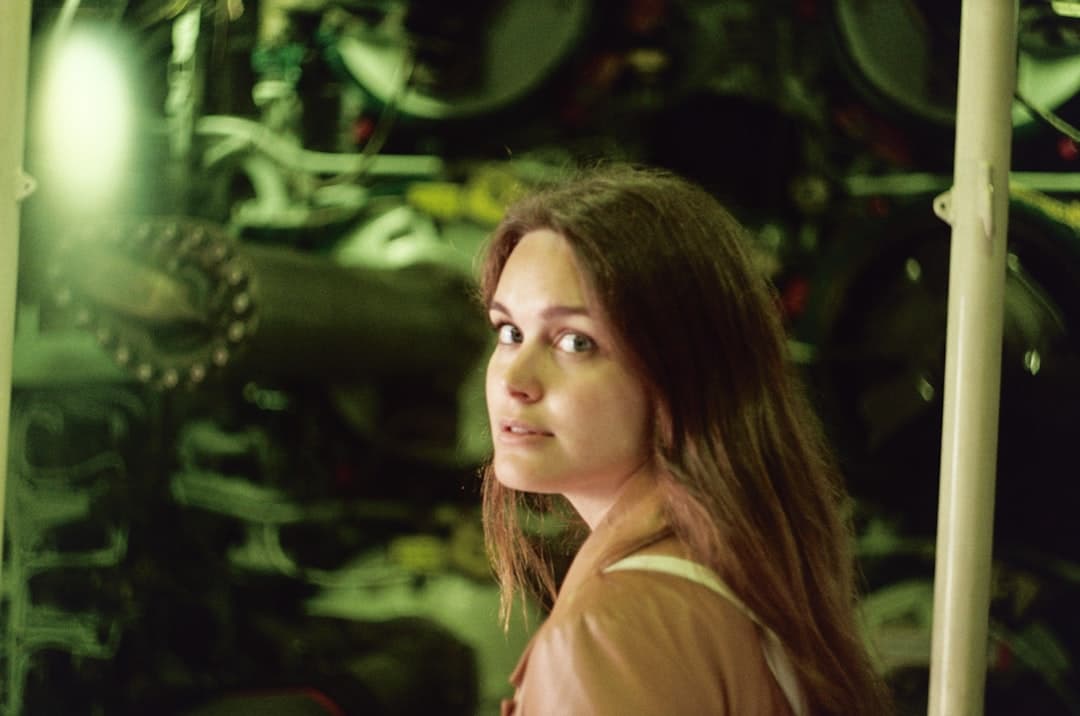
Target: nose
x=518 y=373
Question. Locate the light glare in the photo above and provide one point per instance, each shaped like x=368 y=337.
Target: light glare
x=87 y=115
x=1065 y=8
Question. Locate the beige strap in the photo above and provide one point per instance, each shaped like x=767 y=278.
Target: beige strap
x=775 y=655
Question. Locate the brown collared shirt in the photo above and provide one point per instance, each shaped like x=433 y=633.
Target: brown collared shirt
x=641 y=643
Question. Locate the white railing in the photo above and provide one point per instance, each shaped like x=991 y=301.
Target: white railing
x=977 y=208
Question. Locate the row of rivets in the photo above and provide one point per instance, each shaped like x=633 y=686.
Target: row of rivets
x=173 y=245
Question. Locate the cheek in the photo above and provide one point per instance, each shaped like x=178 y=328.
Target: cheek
x=491 y=380
x=619 y=415
x=637 y=423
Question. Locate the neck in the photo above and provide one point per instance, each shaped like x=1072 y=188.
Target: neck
x=594 y=505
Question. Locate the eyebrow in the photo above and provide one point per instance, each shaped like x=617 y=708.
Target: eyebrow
x=548 y=313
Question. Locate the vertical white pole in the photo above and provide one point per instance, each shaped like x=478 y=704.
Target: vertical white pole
x=979 y=217
x=14 y=59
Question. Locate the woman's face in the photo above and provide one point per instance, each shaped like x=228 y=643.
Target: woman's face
x=567 y=415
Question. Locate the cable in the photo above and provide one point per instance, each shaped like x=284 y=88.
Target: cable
x=1050 y=118
x=381 y=132
x=287 y=153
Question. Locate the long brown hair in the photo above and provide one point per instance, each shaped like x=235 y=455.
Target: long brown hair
x=749 y=481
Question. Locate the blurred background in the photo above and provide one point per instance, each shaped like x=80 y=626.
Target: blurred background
x=247 y=410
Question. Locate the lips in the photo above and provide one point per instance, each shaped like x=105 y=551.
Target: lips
x=517 y=427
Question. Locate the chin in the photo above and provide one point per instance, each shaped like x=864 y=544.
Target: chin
x=522 y=481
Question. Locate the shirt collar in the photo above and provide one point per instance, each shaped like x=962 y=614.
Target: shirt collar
x=634 y=521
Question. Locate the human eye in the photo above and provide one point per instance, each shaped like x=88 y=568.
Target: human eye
x=575 y=343
x=507 y=333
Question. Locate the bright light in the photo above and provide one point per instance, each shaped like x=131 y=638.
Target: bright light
x=1065 y=8
x=87 y=117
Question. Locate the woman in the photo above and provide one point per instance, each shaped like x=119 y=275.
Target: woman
x=640 y=374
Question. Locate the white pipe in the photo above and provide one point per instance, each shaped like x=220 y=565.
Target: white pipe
x=281 y=149
x=912 y=183
x=14 y=59
x=979 y=218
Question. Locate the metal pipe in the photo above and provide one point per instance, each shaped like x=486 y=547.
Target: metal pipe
x=177 y=300
x=14 y=60
x=978 y=212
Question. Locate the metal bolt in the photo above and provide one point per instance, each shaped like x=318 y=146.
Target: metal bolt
x=913 y=270
x=1032 y=361
x=234 y=275
x=926 y=390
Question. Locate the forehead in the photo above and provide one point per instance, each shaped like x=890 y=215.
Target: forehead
x=542 y=268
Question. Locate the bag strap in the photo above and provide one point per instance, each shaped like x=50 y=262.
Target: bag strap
x=776 y=656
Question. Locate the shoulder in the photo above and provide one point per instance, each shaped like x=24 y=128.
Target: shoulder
x=651 y=597
x=671 y=615
x=671 y=645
